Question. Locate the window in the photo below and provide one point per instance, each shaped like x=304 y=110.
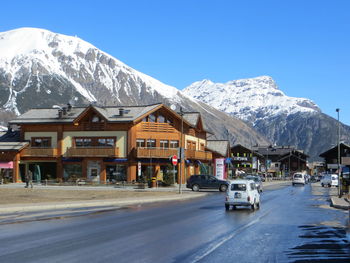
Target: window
x=202 y=147
x=170 y=121
x=164 y=144
x=95 y=118
x=140 y=143
x=95 y=142
x=72 y=172
x=151 y=143
x=161 y=118
x=174 y=144
x=152 y=118
x=238 y=187
x=41 y=142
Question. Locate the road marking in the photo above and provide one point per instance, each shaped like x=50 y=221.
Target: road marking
x=225 y=239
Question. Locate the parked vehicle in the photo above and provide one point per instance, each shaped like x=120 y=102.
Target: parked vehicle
x=197 y=182
x=257 y=180
x=242 y=193
x=299 y=178
x=329 y=180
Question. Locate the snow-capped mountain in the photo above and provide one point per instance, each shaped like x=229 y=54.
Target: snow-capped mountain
x=282 y=119
x=39 y=68
x=249 y=99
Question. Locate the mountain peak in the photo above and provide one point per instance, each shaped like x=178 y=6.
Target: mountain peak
x=249 y=99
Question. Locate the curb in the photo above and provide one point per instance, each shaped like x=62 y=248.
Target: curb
x=339 y=203
x=96 y=203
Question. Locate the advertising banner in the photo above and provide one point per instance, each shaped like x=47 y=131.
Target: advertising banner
x=220 y=168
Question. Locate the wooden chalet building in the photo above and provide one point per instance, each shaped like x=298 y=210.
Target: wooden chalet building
x=105 y=144
x=331 y=157
x=245 y=159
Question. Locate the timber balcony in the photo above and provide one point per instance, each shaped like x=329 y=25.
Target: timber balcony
x=156 y=127
x=39 y=152
x=92 y=152
x=141 y=152
x=198 y=155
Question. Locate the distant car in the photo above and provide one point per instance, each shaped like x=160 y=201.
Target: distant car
x=242 y=193
x=299 y=178
x=197 y=182
x=258 y=182
x=329 y=180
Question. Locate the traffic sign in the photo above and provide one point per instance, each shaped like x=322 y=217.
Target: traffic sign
x=174 y=160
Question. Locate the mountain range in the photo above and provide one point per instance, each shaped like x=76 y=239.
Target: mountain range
x=39 y=68
x=283 y=120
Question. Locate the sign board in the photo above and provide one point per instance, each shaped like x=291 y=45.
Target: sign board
x=255 y=162
x=174 y=160
x=139 y=169
x=220 y=168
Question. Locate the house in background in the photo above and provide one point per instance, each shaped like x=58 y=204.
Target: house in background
x=245 y=159
x=331 y=157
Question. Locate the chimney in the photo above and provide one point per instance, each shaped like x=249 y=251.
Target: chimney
x=60 y=114
x=69 y=106
x=64 y=110
x=121 y=112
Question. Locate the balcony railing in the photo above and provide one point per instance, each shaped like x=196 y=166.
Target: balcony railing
x=198 y=155
x=156 y=127
x=39 y=152
x=141 y=152
x=92 y=152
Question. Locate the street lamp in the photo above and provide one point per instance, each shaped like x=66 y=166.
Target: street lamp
x=181 y=153
x=339 y=181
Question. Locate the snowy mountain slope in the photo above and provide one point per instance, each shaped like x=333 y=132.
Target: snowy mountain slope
x=39 y=68
x=283 y=120
x=249 y=99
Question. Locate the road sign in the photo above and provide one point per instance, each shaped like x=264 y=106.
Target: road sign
x=139 y=169
x=174 y=160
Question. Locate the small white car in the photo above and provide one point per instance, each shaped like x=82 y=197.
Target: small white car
x=299 y=178
x=242 y=193
x=329 y=180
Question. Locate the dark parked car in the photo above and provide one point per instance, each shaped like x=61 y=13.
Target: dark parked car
x=196 y=182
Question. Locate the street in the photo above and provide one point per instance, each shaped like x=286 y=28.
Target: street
x=294 y=224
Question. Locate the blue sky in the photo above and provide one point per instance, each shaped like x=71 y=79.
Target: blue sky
x=303 y=45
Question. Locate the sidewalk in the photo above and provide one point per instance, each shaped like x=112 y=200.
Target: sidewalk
x=340 y=203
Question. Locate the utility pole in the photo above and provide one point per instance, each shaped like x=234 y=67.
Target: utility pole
x=182 y=159
x=339 y=180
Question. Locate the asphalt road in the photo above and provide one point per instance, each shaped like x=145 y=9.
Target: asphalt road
x=294 y=224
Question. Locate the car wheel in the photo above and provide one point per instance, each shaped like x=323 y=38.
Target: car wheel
x=293 y=184
x=223 y=188
x=322 y=185
x=253 y=206
x=195 y=187
x=258 y=205
x=227 y=207
x=233 y=207
x=329 y=185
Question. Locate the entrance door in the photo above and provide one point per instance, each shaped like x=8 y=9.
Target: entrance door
x=93 y=171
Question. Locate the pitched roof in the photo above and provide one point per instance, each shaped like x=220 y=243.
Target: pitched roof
x=12 y=146
x=219 y=146
x=111 y=114
x=335 y=148
x=191 y=117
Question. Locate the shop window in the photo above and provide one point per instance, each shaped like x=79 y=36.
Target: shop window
x=140 y=143
x=174 y=144
x=72 y=172
x=164 y=144
x=151 y=143
x=41 y=142
x=116 y=173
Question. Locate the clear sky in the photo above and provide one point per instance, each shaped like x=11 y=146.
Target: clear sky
x=303 y=44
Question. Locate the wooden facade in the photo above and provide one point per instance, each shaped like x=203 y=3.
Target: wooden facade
x=92 y=147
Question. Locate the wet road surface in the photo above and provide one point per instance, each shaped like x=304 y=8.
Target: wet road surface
x=294 y=224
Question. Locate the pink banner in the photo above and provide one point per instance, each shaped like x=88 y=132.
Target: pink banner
x=8 y=165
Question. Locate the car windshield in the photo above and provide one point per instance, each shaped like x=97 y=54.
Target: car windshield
x=239 y=187
x=298 y=176
x=334 y=178
x=254 y=178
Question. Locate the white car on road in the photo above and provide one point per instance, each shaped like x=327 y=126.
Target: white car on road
x=299 y=178
x=329 y=180
x=242 y=193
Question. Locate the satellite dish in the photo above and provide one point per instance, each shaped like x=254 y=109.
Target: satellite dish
x=173 y=107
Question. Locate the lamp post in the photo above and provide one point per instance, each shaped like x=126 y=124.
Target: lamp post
x=181 y=153
x=339 y=181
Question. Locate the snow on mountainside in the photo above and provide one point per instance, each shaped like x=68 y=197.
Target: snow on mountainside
x=37 y=53
x=39 y=68
x=249 y=99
